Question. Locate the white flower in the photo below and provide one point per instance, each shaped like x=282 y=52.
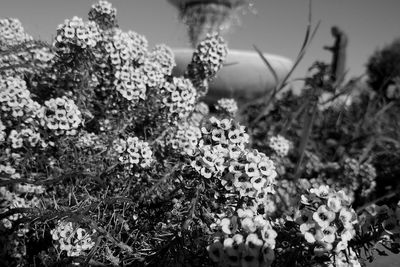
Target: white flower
x=334 y=204
x=348 y=217
x=322 y=191
x=323 y=217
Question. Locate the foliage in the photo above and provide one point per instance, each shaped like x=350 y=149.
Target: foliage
x=383 y=69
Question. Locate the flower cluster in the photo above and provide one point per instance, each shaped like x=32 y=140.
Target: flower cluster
x=326 y=220
x=75 y=33
x=184 y=139
x=72 y=239
x=103 y=14
x=153 y=73
x=26 y=188
x=27 y=60
x=11 y=200
x=280 y=145
x=123 y=65
x=42 y=57
x=367 y=178
x=222 y=155
x=360 y=176
x=17 y=138
x=129 y=82
x=245 y=239
x=133 y=153
x=333 y=183
x=179 y=98
x=201 y=110
x=207 y=59
x=252 y=175
x=164 y=56
x=125 y=48
x=9 y=171
x=221 y=141
x=61 y=116
x=15 y=102
x=313 y=163
x=2 y=132
x=224 y=132
x=227 y=106
x=86 y=140
x=12 y=32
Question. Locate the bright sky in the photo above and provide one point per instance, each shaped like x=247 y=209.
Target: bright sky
x=278 y=27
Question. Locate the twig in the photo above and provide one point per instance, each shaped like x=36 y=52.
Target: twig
x=158 y=183
x=193 y=205
x=387 y=196
x=109 y=237
x=305 y=137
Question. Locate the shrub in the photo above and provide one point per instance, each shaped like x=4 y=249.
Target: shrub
x=383 y=67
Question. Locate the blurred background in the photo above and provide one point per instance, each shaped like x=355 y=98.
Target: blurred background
x=275 y=26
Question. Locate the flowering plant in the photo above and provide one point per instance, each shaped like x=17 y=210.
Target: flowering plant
x=107 y=159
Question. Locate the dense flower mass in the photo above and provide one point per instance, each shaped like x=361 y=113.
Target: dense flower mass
x=75 y=33
x=153 y=72
x=164 y=56
x=11 y=200
x=31 y=60
x=129 y=82
x=2 y=132
x=9 y=171
x=227 y=106
x=74 y=240
x=12 y=32
x=280 y=145
x=133 y=153
x=223 y=155
x=179 y=98
x=201 y=110
x=16 y=103
x=225 y=131
x=103 y=14
x=126 y=48
x=27 y=137
x=326 y=220
x=207 y=59
x=42 y=57
x=245 y=239
x=361 y=177
x=87 y=140
x=184 y=139
x=61 y=116
x=124 y=67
